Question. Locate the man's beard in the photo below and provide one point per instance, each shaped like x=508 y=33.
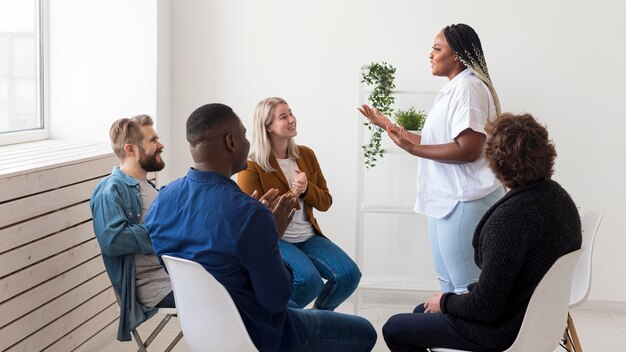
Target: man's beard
x=150 y=163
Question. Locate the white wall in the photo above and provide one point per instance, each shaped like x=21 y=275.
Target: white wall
x=109 y=60
x=103 y=61
x=558 y=60
x=561 y=61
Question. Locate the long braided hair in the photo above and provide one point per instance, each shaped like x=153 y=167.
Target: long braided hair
x=465 y=44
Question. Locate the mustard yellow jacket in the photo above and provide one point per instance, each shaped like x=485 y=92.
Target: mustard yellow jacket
x=316 y=196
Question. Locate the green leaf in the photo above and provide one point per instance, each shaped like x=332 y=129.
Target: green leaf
x=381 y=76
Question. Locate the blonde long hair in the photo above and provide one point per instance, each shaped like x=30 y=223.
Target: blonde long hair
x=260 y=148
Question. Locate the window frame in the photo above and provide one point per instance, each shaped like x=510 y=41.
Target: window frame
x=43 y=92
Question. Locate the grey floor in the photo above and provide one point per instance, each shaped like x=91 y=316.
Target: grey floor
x=600 y=328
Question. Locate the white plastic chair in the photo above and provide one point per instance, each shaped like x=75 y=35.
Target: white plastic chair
x=207 y=313
x=581 y=282
x=546 y=315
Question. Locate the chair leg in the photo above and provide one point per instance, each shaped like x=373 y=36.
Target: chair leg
x=572 y=331
x=158 y=329
x=140 y=344
x=143 y=345
x=566 y=341
x=171 y=345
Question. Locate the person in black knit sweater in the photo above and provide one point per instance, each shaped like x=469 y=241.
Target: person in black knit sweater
x=515 y=243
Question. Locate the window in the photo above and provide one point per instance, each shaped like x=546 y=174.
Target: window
x=21 y=78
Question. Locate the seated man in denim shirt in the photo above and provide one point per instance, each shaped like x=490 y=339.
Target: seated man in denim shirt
x=119 y=204
x=206 y=218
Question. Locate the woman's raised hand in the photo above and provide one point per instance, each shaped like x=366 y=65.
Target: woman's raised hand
x=299 y=184
x=374 y=116
x=398 y=135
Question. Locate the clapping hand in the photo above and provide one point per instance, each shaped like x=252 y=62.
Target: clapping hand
x=282 y=207
x=283 y=212
x=269 y=199
x=299 y=184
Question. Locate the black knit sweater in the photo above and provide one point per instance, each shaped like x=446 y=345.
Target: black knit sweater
x=515 y=244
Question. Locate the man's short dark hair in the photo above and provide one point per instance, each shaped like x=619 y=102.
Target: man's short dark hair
x=518 y=150
x=206 y=121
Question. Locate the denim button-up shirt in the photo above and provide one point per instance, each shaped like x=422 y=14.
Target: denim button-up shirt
x=116 y=209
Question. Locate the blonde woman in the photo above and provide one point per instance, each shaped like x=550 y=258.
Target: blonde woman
x=276 y=161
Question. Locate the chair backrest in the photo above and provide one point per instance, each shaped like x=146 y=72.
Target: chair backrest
x=582 y=274
x=207 y=313
x=546 y=315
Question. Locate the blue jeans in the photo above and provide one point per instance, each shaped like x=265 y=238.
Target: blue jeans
x=318 y=258
x=451 y=242
x=418 y=330
x=331 y=331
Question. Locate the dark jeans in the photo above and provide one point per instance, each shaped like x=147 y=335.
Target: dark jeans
x=330 y=331
x=418 y=331
x=167 y=302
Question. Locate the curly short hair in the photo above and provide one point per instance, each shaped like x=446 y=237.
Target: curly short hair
x=206 y=121
x=518 y=150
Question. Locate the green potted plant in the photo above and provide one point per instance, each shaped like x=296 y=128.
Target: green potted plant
x=411 y=119
x=380 y=75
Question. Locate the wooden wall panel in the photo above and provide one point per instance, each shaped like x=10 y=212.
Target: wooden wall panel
x=83 y=333
x=34 y=252
x=33 y=206
x=52 y=310
x=54 y=291
x=27 y=301
x=28 y=231
x=102 y=338
x=34 y=275
x=64 y=325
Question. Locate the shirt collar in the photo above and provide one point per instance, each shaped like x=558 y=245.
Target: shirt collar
x=210 y=177
x=454 y=81
x=131 y=182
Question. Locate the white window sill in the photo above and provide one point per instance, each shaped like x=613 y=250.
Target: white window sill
x=17 y=159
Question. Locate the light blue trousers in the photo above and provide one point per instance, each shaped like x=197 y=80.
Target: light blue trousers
x=451 y=242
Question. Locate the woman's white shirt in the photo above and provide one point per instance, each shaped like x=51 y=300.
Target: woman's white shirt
x=300 y=228
x=464 y=102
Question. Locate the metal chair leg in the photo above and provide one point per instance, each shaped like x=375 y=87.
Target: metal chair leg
x=140 y=344
x=171 y=345
x=158 y=329
x=144 y=345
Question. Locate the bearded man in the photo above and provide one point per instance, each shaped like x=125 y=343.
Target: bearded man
x=119 y=204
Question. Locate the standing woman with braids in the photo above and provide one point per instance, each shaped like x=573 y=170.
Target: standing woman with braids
x=455 y=186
